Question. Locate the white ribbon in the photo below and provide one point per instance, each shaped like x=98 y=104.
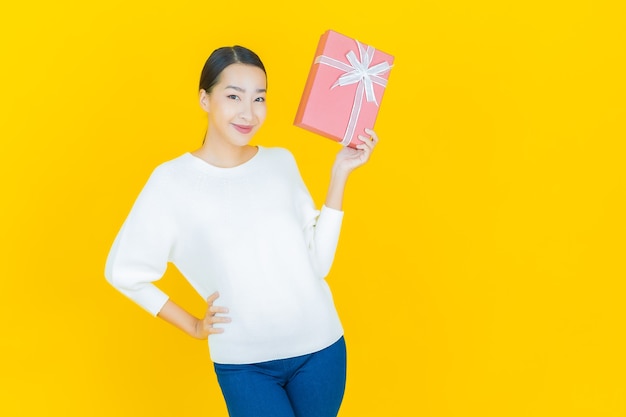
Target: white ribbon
x=357 y=72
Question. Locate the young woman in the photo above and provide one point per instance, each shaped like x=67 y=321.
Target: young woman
x=238 y=222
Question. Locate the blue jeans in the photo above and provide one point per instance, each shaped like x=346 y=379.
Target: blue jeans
x=304 y=386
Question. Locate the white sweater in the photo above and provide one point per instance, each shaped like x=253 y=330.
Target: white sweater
x=252 y=233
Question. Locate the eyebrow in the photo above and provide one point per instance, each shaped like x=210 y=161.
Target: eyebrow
x=241 y=90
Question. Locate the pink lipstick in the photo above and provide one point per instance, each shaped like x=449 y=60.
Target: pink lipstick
x=243 y=129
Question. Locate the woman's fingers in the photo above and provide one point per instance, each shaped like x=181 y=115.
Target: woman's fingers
x=211 y=316
x=211 y=298
x=373 y=136
x=219 y=319
x=368 y=141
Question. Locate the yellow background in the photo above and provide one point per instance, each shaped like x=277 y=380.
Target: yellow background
x=481 y=267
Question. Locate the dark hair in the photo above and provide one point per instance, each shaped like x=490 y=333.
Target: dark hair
x=223 y=57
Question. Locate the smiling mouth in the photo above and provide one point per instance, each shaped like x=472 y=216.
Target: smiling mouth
x=242 y=128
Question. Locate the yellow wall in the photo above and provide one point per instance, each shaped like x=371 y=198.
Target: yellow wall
x=481 y=270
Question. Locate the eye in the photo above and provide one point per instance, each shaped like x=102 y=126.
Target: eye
x=260 y=99
x=233 y=97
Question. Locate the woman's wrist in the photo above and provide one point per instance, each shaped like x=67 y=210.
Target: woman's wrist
x=340 y=172
x=336 y=188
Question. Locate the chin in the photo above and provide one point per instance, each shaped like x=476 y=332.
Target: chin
x=241 y=142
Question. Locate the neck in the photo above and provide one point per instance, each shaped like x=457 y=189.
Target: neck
x=224 y=155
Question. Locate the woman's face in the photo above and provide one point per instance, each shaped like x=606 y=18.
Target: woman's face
x=236 y=104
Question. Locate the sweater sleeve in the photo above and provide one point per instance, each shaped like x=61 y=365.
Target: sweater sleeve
x=323 y=237
x=321 y=228
x=142 y=248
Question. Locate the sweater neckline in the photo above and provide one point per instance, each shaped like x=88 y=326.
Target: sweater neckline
x=207 y=167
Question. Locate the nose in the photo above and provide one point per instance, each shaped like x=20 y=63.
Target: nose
x=246 y=111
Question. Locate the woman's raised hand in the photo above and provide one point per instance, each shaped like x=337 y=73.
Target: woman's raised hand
x=349 y=158
x=345 y=162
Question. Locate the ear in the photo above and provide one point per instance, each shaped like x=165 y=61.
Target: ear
x=204 y=100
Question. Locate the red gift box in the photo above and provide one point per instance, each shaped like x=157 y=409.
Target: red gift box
x=344 y=89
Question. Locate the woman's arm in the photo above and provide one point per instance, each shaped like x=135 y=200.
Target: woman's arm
x=193 y=326
x=348 y=159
